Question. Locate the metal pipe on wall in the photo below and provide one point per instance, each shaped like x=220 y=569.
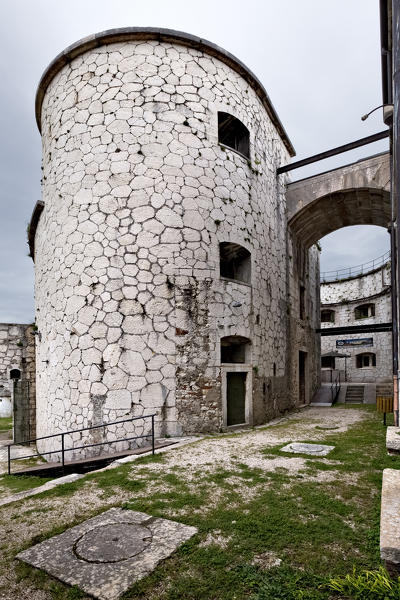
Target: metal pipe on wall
x=396 y=158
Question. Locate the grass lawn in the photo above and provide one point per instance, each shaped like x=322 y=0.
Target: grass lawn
x=271 y=525
x=5 y=423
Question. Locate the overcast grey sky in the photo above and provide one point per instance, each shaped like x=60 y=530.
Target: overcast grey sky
x=318 y=59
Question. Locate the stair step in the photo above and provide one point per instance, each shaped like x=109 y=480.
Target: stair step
x=355 y=394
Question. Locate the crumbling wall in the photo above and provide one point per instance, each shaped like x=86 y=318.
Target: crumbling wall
x=17 y=351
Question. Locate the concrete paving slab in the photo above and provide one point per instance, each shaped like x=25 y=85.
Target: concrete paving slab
x=106 y=555
x=311 y=449
x=393 y=440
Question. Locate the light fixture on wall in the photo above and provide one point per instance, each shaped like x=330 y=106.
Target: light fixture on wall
x=236 y=304
x=387 y=113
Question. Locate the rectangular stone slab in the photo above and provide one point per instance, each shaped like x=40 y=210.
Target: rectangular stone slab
x=390 y=520
x=393 y=440
x=106 y=555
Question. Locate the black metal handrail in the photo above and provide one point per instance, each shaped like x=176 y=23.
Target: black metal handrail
x=356 y=271
x=335 y=388
x=63 y=450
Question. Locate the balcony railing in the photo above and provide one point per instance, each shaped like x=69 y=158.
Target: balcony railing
x=349 y=272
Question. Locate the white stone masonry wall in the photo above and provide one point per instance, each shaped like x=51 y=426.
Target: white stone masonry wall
x=343 y=297
x=138 y=194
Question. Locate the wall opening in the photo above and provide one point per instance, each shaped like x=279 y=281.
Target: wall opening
x=327 y=316
x=233 y=134
x=234 y=262
x=327 y=362
x=15 y=374
x=364 y=311
x=236 y=398
x=235 y=349
x=365 y=359
x=302 y=302
x=302 y=377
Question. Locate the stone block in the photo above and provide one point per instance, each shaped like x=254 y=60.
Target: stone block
x=393 y=440
x=106 y=555
x=390 y=521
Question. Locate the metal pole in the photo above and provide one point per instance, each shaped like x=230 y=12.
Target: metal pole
x=9 y=459
x=152 y=434
x=62 y=453
x=396 y=161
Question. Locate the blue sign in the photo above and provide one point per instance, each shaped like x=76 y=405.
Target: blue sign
x=355 y=342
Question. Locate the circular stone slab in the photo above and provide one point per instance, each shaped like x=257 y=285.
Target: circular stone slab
x=311 y=449
x=112 y=543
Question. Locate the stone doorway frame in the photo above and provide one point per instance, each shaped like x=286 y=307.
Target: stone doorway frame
x=248 y=408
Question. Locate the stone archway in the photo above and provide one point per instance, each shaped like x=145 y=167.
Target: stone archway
x=357 y=194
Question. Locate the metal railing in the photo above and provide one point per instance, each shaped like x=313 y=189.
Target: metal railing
x=348 y=272
x=335 y=388
x=63 y=449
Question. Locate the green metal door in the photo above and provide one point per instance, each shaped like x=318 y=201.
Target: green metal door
x=236 y=398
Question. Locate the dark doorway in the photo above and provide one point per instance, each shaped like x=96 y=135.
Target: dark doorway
x=236 y=398
x=302 y=376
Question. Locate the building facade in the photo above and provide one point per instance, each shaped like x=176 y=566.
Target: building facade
x=364 y=299
x=167 y=281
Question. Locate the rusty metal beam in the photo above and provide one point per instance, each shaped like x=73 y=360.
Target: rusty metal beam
x=345 y=148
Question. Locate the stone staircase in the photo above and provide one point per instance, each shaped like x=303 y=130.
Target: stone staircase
x=355 y=394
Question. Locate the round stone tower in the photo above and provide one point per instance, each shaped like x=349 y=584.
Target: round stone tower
x=160 y=252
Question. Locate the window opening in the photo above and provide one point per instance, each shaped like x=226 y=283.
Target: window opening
x=364 y=311
x=302 y=301
x=235 y=349
x=232 y=133
x=234 y=262
x=15 y=374
x=366 y=359
x=327 y=362
x=327 y=316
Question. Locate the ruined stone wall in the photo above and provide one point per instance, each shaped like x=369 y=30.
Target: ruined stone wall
x=12 y=337
x=343 y=297
x=17 y=351
x=138 y=195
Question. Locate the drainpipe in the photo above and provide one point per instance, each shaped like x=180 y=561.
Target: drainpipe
x=396 y=161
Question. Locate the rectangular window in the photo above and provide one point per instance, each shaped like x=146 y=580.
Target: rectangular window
x=302 y=302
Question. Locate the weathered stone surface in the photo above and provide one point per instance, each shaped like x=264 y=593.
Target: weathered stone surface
x=107 y=554
x=312 y=449
x=390 y=520
x=393 y=440
x=342 y=298
x=138 y=196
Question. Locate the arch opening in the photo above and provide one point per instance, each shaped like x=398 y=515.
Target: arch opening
x=355 y=206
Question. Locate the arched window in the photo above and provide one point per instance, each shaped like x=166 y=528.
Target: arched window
x=233 y=134
x=235 y=349
x=364 y=311
x=234 y=262
x=15 y=374
x=365 y=359
x=327 y=316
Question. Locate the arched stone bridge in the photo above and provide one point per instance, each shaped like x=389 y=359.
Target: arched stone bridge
x=357 y=194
